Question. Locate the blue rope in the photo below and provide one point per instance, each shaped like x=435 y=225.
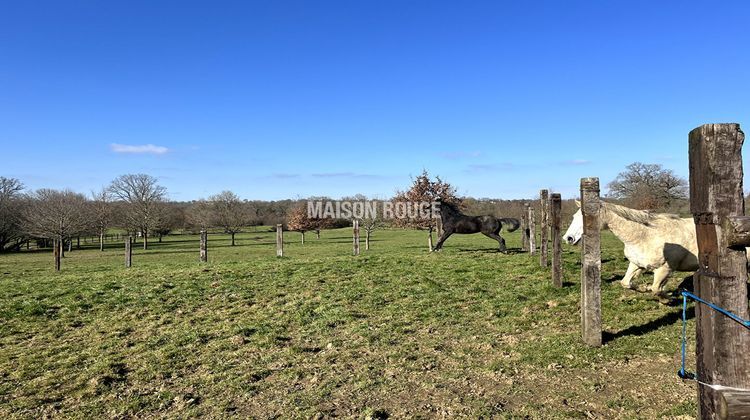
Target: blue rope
x=682 y=373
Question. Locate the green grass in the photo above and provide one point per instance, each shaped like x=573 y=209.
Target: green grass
x=393 y=332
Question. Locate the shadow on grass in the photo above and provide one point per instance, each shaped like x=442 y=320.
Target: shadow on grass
x=653 y=325
x=509 y=251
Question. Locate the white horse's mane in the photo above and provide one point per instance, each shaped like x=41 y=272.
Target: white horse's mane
x=639 y=216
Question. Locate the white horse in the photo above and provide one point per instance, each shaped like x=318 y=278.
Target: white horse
x=656 y=242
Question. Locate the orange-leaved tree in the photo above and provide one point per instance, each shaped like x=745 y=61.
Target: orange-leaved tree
x=423 y=191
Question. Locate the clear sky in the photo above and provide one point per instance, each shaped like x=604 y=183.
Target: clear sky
x=280 y=99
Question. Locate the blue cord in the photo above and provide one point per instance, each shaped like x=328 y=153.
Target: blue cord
x=682 y=373
x=745 y=323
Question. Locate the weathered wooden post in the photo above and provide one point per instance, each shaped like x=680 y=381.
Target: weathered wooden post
x=716 y=202
x=591 y=264
x=544 y=228
x=279 y=240
x=128 y=252
x=532 y=231
x=525 y=228
x=355 y=228
x=438 y=226
x=56 y=253
x=204 y=246
x=555 y=219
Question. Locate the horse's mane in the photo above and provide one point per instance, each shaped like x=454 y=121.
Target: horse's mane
x=450 y=206
x=643 y=217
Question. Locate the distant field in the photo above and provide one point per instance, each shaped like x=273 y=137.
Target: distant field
x=393 y=332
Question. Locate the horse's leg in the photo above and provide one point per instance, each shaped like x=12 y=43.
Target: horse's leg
x=443 y=237
x=660 y=279
x=633 y=272
x=498 y=238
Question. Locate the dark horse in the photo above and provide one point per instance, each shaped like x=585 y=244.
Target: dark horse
x=456 y=222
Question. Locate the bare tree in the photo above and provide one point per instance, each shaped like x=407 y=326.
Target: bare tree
x=143 y=194
x=648 y=187
x=170 y=217
x=369 y=224
x=101 y=213
x=199 y=215
x=229 y=212
x=56 y=214
x=11 y=204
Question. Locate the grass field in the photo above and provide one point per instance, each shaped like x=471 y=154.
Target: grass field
x=396 y=332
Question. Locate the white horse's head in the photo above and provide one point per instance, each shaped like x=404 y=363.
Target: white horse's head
x=575 y=230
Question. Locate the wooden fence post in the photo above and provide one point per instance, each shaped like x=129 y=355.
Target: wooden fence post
x=555 y=219
x=525 y=228
x=204 y=246
x=355 y=228
x=591 y=264
x=279 y=240
x=716 y=202
x=439 y=226
x=56 y=253
x=544 y=228
x=128 y=252
x=532 y=231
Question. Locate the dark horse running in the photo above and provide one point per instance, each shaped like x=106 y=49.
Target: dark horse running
x=456 y=222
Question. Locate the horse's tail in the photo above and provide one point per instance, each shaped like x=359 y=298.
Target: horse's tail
x=510 y=224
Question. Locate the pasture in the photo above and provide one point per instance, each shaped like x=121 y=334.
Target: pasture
x=394 y=332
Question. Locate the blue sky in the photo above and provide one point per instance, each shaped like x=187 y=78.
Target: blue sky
x=280 y=99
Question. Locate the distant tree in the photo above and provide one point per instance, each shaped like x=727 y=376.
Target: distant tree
x=54 y=214
x=11 y=207
x=229 y=212
x=199 y=215
x=298 y=220
x=369 y=224
x=424 y=190
x=143 y=195
x=170 y=216
x=102 y=213
x=648 y=187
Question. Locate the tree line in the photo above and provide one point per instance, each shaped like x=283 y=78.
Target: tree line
x=138 y=205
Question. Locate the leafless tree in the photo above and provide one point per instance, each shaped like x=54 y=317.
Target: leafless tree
x=169 y=217
x=648 y=187
x=199 y=215
x=55 y=214
x=143 y=195
x=369 y=224
x=229 y=212
x=11 y=205
x=101 y=213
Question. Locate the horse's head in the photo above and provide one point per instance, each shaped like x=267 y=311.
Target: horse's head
x=575 y=230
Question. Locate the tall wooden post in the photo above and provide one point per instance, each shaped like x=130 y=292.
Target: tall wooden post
x=355 y=228
x=716 y=200
x=532 y=231
x=525 y=228
x=56 y=253
x=555 y=219
x=279 y=240
x=439 y=226
x=204 y=246
x=128 y=252
x=591 y=259
x=544 y=227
